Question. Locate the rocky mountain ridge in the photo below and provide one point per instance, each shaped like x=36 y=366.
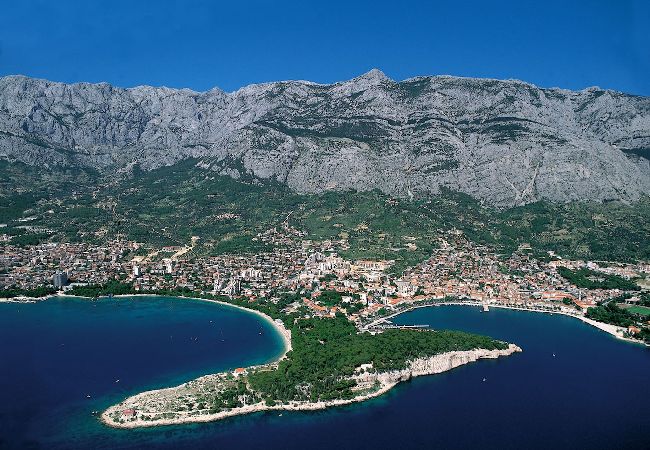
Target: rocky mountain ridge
x=504 y=142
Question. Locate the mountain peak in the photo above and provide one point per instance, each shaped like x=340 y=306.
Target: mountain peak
x=373 y=76
x=375 y=73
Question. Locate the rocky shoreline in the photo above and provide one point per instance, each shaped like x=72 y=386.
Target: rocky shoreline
x=142 y=407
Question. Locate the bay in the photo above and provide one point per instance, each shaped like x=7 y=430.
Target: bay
x=573 y=386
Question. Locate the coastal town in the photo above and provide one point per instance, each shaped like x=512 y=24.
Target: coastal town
x=326 y=283
x=290 y=225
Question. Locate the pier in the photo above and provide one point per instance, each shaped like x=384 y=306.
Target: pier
x=390 y=326
x=385 y=324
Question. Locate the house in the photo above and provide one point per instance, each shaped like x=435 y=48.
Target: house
x=584 y=305
x=405 y=288
x=130 y=412
x=239 y=371
x=556 y=295
x=633 y=330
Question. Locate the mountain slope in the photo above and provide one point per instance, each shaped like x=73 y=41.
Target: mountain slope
x=504 y=142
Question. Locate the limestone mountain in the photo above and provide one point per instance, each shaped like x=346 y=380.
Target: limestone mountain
x=503 y=142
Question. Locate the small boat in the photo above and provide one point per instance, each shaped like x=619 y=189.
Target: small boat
x=117 y=381
x=553 y=355
x=88 y=396
x=484 y=379
x=279 y=415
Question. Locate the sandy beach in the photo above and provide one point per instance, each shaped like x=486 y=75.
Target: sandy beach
x=277 y=325
x=614 y=330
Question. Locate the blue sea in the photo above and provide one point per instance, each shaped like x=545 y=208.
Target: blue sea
x=572 y=387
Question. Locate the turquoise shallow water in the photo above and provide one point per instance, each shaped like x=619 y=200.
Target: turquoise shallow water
x=591 y=394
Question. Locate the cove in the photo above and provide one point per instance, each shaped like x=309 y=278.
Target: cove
x=56 y=353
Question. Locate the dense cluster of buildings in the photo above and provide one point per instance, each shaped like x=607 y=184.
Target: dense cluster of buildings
x=457 y=269
x=35 y=266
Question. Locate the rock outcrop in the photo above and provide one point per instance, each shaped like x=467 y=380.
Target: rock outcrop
x=504 y=142
x=443 y=362
x=165 y=406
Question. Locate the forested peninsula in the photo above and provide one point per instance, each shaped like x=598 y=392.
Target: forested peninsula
x=328 y=363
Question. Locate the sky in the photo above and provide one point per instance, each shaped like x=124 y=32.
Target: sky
x=206 y=44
